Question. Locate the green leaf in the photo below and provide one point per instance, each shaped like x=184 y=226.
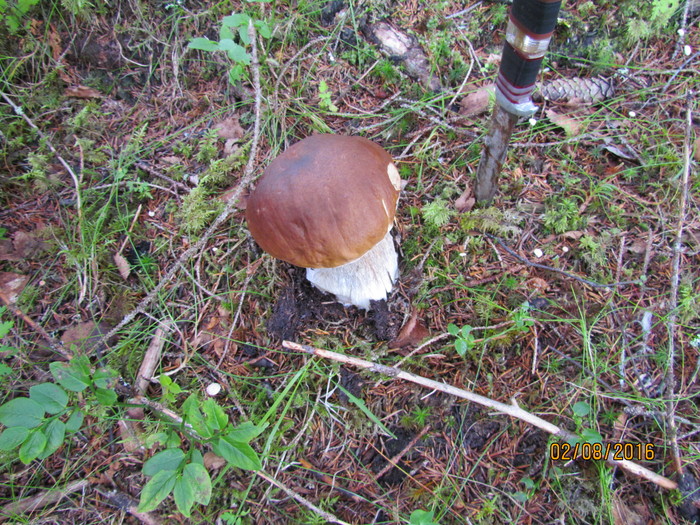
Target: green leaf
x=203 y=44
x=104 y=377
x=453 y=329
x=422 y=517
x=13 y=437
x=235 y=73
x=4 y=369
x=75 y=421
x=55 y=434
x=199 y=480
x=225 y=33
x=183 y=492
x=236 y=20
x=50 y=396
x=235 y=52
x=263 y=28
x=194 y=417
x=581 y=409
x=72 y=376
x=168 y=459
x=21 y=412
x=240 y=455
x=32 y=447
x=461 y=347
x=216 y=418
x=591 y=436
x=245 y=432
x=106 y=396
x=156 y=490
x=5 y=328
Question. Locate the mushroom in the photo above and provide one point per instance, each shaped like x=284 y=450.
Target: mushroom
x=327 y=204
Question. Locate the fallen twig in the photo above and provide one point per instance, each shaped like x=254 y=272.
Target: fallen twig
x=557 y=270
x=150 y=361
x=54 y=344
x=673 y=300
x=394 y=461
x=512 y=410
x=322 y=513
x=44 y=499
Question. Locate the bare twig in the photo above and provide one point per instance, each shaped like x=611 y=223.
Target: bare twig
x=234 y=195
x=322 y=513
x=673 y=300
x=394 y=461
x=512 y=410
x=151 y=359
x=557 y=270
x=44 y=499
x=54 y=344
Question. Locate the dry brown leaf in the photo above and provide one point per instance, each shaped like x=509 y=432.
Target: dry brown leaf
x=212 y=461
x=122 y=265
x=82 y=92
x=537 y=284
x=696 y=149
x=412 y=332
x=632 y=514
x=85 y=336
x=11 y=285
x=466 y=201
x=171 y=159
x=230 y=147
x=230 y=129
x=7 y=251
x=574 y=235
x=476 y=102
x=570 y=125
x=54 y=43
x=28 y=244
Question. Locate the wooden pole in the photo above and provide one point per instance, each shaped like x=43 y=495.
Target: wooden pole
x=530 y=27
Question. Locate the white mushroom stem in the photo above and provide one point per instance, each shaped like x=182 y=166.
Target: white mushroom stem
x=369 y=278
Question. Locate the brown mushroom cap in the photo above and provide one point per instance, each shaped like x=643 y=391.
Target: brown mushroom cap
x=325 y=201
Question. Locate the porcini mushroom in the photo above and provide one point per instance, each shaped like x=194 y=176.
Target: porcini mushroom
x=327 y=204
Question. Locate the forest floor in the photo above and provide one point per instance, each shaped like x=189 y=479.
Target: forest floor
x=126 y=156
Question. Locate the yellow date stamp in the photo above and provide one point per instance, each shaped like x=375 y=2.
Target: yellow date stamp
x=598 y=451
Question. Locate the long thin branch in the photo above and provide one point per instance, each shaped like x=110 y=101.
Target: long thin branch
x=43 y=499
x=673 y=300
x=248 y=176
x=557 y=270
x=511 y=410
x=330 y=518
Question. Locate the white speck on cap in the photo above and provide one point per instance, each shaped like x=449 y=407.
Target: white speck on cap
x=394 y=176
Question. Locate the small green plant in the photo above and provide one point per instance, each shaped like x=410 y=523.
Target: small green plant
x=436 y=213
x=5 y=327
x=324 y=96
x=11 y=13
x=417 y=418
x=37 y=424
x=651 y=23
x=233 y=27
x=564 y=216
x=504 y=223
x=422 y=517
x=181 y=472
x=207 y=149
x=465 y=339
